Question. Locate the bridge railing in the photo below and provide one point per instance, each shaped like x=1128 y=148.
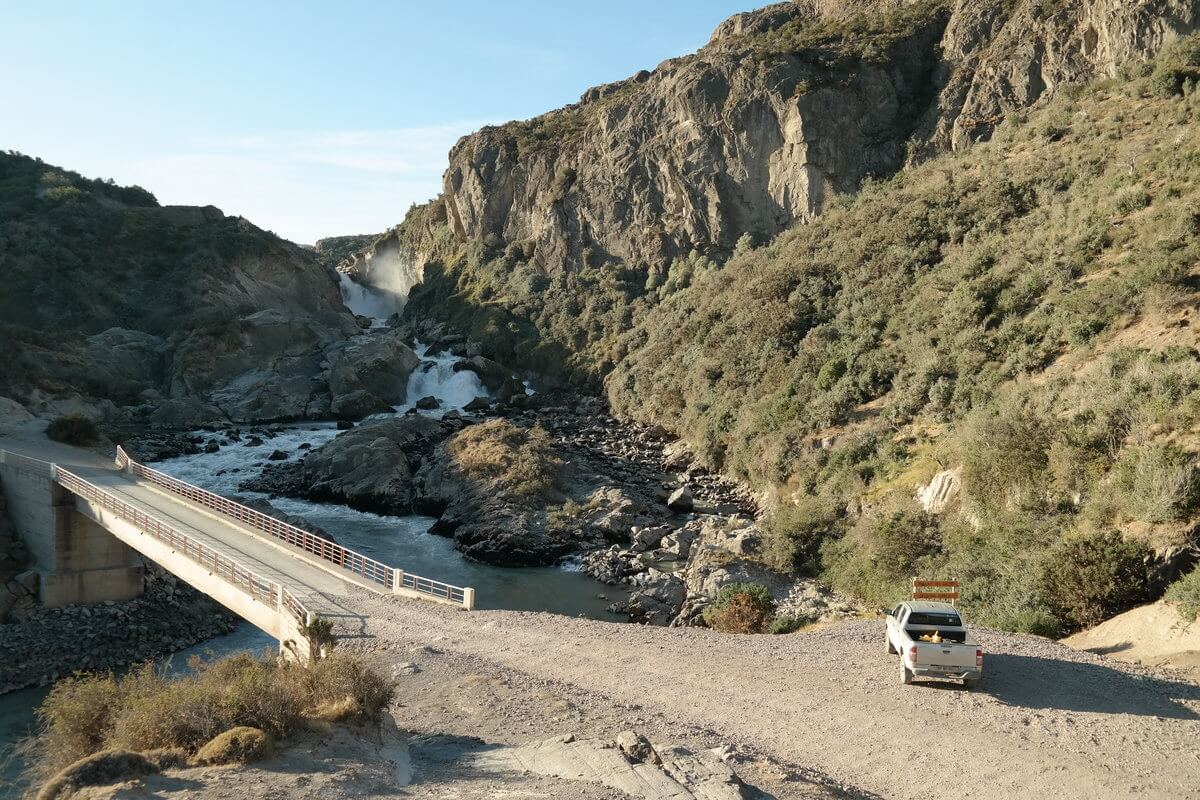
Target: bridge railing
x=258 y=587
x=323 y=549
x=25 y=462
x=331 y=552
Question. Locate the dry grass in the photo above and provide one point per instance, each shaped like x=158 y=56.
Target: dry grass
x=146 y=711
x=520 y=461
x=239 y=745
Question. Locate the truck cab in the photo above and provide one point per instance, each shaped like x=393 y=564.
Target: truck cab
x=932 y=641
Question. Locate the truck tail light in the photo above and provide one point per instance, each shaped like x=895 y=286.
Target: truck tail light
x=912 y=653
x=978 y=659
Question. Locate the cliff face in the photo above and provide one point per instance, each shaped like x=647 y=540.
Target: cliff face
x=782 y=109
x=999 y=60
x=734 y=139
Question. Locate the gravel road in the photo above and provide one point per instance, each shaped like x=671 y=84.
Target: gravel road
x=1047 y=719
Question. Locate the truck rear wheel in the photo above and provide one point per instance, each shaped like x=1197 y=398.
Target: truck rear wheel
x=906 y=675
x=970 y=683
x=891 y=650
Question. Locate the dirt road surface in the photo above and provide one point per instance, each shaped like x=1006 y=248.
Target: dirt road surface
x=1047 y=720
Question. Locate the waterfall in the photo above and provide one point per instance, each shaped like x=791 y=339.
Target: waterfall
x=367 y=301
x=435 y=376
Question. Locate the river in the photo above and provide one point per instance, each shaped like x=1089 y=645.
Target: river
x=401 y=541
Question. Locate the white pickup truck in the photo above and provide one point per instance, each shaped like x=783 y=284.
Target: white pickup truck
x=932 y=642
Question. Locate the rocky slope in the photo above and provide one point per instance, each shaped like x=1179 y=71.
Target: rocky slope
x=166 y=315
x=783 y=109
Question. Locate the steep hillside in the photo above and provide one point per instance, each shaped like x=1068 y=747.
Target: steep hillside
x=1010 y=321
x=1020 y=315
x=172 y=314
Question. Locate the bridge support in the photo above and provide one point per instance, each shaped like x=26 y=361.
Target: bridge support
x=77 y=560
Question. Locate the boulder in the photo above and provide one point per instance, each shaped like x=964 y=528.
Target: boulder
x=477 y=405
x=636 y=747
x=658 y=600
x=356 y=405
x=498 y=378
x=277 y=455
x=643 y=539
x=369 y=373
x=681 y=500
x=369 y=467
x=428 y=403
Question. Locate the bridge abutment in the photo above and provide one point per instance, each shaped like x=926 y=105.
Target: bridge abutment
x=77 y=560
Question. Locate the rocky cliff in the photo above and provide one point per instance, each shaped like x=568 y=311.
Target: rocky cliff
x=172 y=315
x=783 y=109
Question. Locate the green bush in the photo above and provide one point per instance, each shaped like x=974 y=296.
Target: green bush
x=882 y=552
x=1032 y=620
x=1004 y=457
x=1186 y=592
x=75 y=429
x=1156 y=483
x=741 y=608
x=795 y=533
x=1086 y=579
x=787 y=624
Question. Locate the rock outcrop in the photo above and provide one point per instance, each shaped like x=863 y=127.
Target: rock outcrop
x=1002 y=57
x=783 y=109
x=370 y=467
x=692 y=155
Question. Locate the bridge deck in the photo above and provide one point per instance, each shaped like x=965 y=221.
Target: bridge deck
x=319 y=590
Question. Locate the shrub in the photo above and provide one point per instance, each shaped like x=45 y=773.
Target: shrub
x=1186 y=592
x=795 y=532
x=787 y=624
x=239 y=745
x=882 y=552
x=105 y=767
x=1031 y=620
x=319 y=634
x=1156 y=483
x=1135 y=198
x=75 y=429
x=1086 y=579
x=145 y=710
x=1004 y=455
x=741 y=608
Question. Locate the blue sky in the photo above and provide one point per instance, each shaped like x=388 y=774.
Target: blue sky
x=311 y=119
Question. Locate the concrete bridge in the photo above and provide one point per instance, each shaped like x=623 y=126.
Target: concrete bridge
x=87 y=523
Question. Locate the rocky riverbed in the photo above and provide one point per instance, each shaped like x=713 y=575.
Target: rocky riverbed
x=39 y=645
x=523 y=480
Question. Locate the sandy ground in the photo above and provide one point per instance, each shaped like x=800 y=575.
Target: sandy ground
x=1153 y=634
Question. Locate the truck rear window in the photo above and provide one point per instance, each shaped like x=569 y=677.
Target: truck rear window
x=934 y=618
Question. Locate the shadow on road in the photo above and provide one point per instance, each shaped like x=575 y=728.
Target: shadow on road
x=1034 y=682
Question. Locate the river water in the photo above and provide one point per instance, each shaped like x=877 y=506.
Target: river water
x=400 y=541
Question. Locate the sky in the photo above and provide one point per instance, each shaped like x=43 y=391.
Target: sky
x=310 y=119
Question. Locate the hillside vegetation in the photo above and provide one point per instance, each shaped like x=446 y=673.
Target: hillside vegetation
x=1020 y=312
